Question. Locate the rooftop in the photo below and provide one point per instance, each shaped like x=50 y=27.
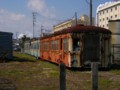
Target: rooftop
x=80 y=29
x=107 y=5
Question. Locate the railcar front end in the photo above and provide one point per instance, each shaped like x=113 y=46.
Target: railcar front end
x=85 y=48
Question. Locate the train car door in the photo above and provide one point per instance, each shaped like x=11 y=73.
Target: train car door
x=91 y=48
x=77 y=49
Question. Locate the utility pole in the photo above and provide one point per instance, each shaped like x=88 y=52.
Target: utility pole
x=76 y=18
x=90 y=12
x=16 y=35
x=41 y=31
x=34 y=20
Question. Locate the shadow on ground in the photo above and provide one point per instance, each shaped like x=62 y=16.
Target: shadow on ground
x=17 y=59
x=115 y=66
x=6 y=84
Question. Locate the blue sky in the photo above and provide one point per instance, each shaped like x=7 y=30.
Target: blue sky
x=16 y=15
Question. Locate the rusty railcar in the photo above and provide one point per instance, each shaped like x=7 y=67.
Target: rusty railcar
x=77 y=46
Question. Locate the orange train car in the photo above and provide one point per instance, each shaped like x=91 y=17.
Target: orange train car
x=77 y=46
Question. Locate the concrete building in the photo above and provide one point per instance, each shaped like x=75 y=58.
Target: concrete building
x=63 y=25
x=84 y=19
x=114 y=26
x=106 y=12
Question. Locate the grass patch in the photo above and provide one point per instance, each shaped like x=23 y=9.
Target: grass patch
x=46 y=64
x=13 y=72
x=28 y=73
x=104 y=83
x=54 y=74
x=117 y=72
x=23 y=57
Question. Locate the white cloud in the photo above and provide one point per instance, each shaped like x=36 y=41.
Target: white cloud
x=17 y=17
x=41 y=7
x=15 y=22
x=5 y=15
x=20 y=35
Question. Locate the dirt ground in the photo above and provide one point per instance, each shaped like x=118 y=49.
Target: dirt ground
x=39 y=75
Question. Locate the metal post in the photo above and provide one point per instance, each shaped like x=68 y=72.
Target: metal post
x=62 y=77
x=94 y=67
x=90 y=12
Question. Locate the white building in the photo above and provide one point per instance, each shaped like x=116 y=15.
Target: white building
x=106 y=12
x=84 y=19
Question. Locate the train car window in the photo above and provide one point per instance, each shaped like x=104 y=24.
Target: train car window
x=46 y=46
x=33 y=46
x=76 y=44
x=41 y=46
x=36 y=45
x=52 y=45
x=65 y=44
x=49 y=45
x=61 y=44
x=55 y=45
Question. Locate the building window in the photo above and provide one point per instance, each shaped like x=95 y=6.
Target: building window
x=100 y=13
x=103 y=25
x=107 y=25
x=103 y=19
x=103 y=12
x=115 y=16
x=111 y=17
x=100 y=20
x=111 y=9
x=107 y=11
x=107 y=18
x=116 y=8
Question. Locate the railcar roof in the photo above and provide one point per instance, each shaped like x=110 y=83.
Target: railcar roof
x=80 y=29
